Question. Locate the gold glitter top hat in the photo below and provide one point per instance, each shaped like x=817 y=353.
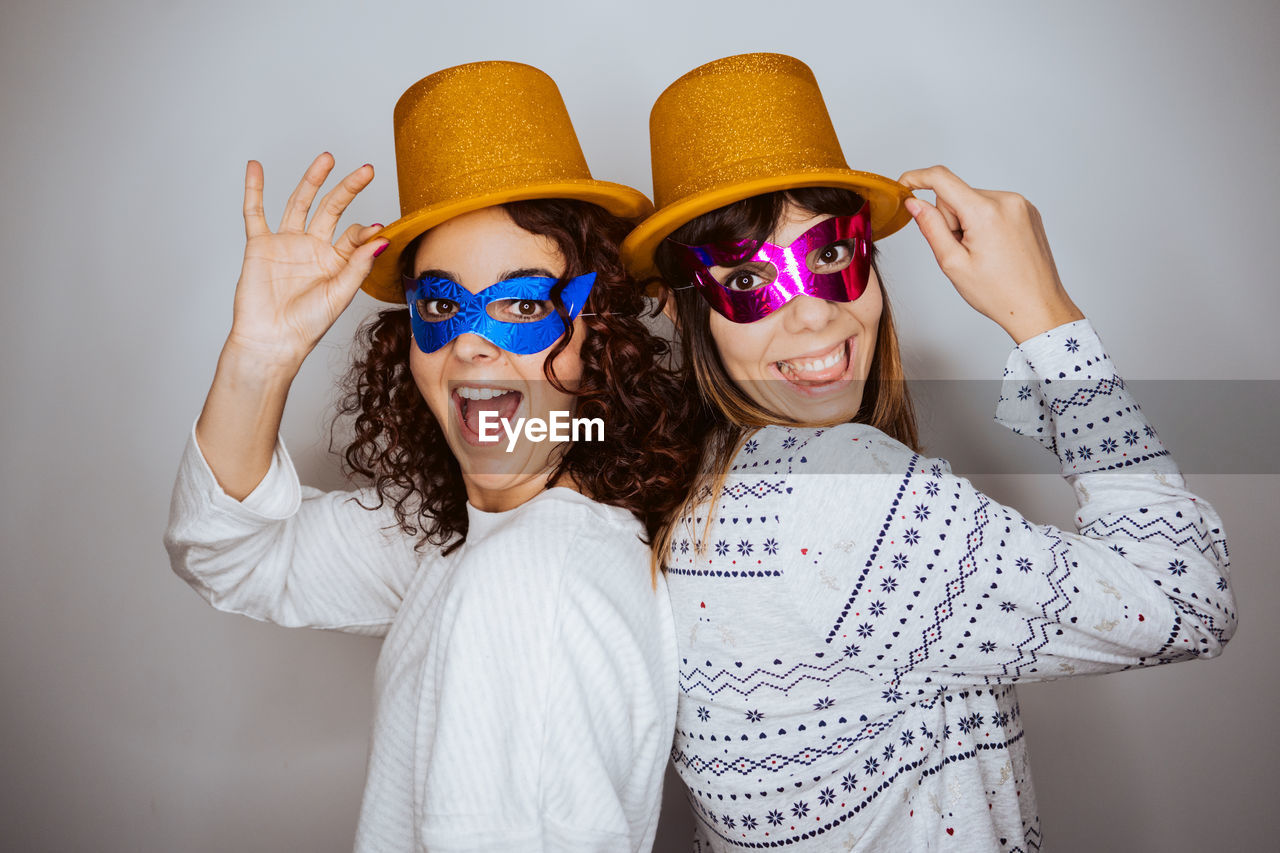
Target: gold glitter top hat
x=478 y=135
x=739 y=127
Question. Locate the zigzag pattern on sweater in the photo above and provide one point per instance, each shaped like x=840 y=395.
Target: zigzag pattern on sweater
x=1083 y=397
x=777 y=762
x=1159 y=526
x=944 y=610
x=760 y=489
x=1032 y=839
x=1201 y=616
x=745 y=685
x=1050 y=611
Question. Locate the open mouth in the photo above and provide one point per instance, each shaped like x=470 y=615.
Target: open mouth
x=472 y=402
x=818 y=373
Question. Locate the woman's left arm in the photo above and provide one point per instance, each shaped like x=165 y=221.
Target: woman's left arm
x=953 y=588
x=1145 y=580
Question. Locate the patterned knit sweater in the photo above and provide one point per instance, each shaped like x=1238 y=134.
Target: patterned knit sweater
x=852 y=623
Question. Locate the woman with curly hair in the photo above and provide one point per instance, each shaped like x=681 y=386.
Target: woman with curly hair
x=852 y=617
x=525 y=692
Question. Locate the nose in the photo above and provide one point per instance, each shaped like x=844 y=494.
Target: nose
x=807 y=313
x=472 y=348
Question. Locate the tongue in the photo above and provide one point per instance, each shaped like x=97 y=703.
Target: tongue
x=505 y=406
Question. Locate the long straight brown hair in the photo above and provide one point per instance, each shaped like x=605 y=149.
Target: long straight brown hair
x=732 y=415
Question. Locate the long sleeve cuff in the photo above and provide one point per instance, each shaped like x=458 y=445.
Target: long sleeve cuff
x=276 y=497
x=1062 y=389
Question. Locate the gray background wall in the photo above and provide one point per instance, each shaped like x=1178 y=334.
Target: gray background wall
x=133 y=717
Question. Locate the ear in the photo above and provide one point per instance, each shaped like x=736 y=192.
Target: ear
x=657 y=289
x=669 y=308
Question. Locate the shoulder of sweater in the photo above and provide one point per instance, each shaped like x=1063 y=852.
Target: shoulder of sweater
x=842 y=449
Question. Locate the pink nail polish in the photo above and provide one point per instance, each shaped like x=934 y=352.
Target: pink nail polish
x=377 y=225
x=380 y=249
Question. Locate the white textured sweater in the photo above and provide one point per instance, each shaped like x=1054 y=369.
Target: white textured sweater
x=526 y=685
x=851 y=631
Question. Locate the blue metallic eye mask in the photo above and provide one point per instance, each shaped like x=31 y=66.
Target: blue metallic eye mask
x=515 y=315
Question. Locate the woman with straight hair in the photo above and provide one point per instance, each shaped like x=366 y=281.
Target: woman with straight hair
x=852 y=617
x=525 y=691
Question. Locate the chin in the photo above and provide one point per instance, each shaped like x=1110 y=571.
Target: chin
x=820 y=413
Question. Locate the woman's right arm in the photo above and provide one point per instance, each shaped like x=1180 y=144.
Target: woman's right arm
x=288 y=554
x=293 y=285
x=242 y=531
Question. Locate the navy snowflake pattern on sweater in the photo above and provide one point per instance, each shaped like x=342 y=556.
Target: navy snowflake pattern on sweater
x=851 y=634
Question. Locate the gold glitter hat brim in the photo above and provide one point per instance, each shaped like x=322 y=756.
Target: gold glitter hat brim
x=384 y=280
x=479 y=135
x=739 y=127
x=885 y=196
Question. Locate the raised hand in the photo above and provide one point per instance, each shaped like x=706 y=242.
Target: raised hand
x=297 y=280
x=293 y=285
x=993 y=247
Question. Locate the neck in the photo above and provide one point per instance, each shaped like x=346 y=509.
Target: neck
x=488 y=496
x=500 y=499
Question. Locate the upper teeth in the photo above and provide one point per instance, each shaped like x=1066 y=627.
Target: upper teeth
x=837 y=355
x=468 y=392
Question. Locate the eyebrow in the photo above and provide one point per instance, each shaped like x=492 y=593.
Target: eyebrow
x=528 y=272
x=523 y=272
x=434 y=273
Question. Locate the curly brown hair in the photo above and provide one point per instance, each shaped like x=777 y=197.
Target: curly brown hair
x=648 y=456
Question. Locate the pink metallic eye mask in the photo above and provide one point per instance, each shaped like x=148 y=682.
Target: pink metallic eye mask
x=832 y=260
